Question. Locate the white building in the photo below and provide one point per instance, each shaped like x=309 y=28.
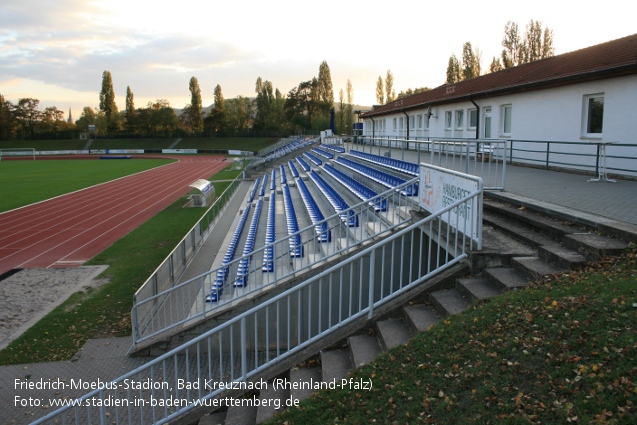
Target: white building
x=575 y=101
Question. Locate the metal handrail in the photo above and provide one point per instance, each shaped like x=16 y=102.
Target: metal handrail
x=237 y=350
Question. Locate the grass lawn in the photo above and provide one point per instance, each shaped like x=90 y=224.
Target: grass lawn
x=253 y=144
x=106 y=310
x=33 y=181
x=562 y=351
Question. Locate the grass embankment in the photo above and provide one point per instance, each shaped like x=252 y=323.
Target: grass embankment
x=562 y=351
x=26 y=182
x=106 y=310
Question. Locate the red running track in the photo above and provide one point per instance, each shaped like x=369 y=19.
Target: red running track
x=68 y=230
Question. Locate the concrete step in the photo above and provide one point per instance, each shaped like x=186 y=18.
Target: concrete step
x=448 y=302
x=594 y=246
x=534 y=267
x=519 y=231
x=420 y=317
x=562 y=257
x=270 y=399
x=363 y=349
x=217 y=418
x=506 y=278
x=476 y=289
x=393 y=332
x=335 y=364
x=306 y=375
x=241 y=415
x=553 y=227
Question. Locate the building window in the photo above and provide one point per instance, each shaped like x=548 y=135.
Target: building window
x=395 y=124
x=427 y=118
x=472 y=122
x=448 y=120
x=400 y=123
x=506 y=119
x=459 y=119
x=412 y=122
x=594 y=113
x=419 y=122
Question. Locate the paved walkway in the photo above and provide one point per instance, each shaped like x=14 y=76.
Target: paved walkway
x=104 y=359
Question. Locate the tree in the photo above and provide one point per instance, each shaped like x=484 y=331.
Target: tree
x=470 y=62
x=512 y=45
x=238 y=113
x=380 y=91
x=496 y=65
x=27 y=115
x=107 y=102
x=325 y=88
x=195 y=111
x=349 y=107
x=390 y=93
x=453 y=70
x=342 y=110
x=6 y=118
x=162 y=117
x=409 y=92
x=217 y=119
x=131 y=113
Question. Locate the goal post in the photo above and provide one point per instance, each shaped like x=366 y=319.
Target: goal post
x=17 y=152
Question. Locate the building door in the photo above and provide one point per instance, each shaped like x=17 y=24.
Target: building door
x=486 y=132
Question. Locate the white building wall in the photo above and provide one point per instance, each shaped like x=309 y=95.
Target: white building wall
x=555 y=115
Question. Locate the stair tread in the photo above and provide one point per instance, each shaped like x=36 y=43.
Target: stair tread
x=305 y=375
x=335 y=364
x=507 y=277
x=531 y=218
x=594 y=246
x=535 y=266
x=241 y=415
x=562 y=257
x=393 y=332
x=421 y=316
x=477 y=288
x=450 y=301
x=520 y=231
x=364 y=349
x=267 y=409
x=217 y=418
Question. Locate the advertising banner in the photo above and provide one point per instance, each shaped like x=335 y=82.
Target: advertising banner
x=440 y=187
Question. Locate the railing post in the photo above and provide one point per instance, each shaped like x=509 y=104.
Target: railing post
x=244 y=349
x=548 y=149
x=597 y=160
x=372 y=260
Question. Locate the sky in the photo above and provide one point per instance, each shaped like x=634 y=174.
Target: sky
x=56 y=51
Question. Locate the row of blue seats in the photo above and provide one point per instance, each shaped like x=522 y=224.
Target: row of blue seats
x=265 y=181
x=244 y=265
x=293 y=170
x=312 y=158
x=396 y=164
x=289 y=148
x=273 y=179
x=296 y=245
x=385 y=179
x=303 y=164
x=284 y=179
x=360 y=190
x=254 y=190
x=324 y=154
x=336 y=200
x=222 y=274
x=270 y=236
x=316 y=216
x=335 y=148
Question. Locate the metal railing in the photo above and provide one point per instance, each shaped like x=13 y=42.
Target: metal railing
x=484 y=158
x=198 y=372
x=171 y=269
x=187 y=301
x=620 y=158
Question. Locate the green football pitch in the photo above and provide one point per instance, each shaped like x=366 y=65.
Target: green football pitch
x=26 y=182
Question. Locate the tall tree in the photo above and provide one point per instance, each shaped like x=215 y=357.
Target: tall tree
x=107 y=102
x=27 y=114
x=390 y=93
x=325 y=88
x=6 y=119
x=470 y=62
x=512 y=45
x=196 y=108
x=217 y=120
x=131 y=113
x=263 y=102
x=380 y=91
x=342 y=110
x=453 y=70
x=349 y=107
x=496 y=65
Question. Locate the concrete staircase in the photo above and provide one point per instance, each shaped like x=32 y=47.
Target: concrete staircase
x=536 y=246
